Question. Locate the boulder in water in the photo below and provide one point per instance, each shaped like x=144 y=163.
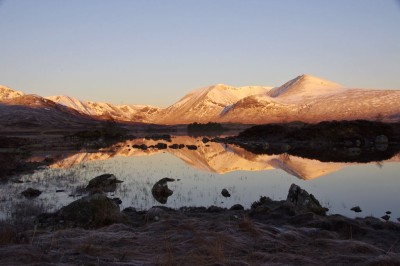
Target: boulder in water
x=160 y=190
x=225 y=193
x=31 y=193
x=356 y=209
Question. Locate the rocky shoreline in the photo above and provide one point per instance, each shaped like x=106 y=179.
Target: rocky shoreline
x=295 y=231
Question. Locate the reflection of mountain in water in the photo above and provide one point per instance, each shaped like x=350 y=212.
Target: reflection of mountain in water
x=213 y=157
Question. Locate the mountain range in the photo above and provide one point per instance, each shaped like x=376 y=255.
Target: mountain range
x=305 y=98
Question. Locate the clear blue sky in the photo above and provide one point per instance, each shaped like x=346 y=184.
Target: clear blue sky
x=154 y=52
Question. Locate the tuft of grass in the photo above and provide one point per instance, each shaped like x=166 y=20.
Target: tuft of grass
x=8 y=233
x=246 y=224
x=12 y=234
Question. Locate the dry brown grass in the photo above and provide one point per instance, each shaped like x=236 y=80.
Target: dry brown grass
x=207 y=239
x=8 y=233
x=247 y=225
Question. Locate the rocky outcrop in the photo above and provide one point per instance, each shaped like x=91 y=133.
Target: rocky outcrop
x=298 y=201
x=304 y=201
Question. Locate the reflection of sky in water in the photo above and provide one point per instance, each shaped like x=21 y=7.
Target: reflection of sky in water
x=373 y=188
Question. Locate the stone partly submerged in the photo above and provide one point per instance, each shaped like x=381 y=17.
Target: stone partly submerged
x=356 y=209
x=160 y=190
x=31 y=193
x=103 y=183
x=225 y=193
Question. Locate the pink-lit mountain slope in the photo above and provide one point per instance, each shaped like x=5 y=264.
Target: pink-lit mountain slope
x=305 y=98
x=206 y=104
x=311 y=99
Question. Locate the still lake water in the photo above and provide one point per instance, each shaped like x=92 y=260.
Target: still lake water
x=201 y=175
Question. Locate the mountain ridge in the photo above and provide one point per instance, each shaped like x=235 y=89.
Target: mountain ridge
x=305 y=98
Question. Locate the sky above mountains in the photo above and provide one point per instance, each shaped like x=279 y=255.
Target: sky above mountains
x=153 y=52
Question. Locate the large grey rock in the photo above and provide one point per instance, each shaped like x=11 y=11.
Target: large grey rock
x=91 y=212
x=304 y=201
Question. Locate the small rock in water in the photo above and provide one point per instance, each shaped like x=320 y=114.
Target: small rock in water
x=225 y=193
x=31 y=193
x=385 y=217
x=356 y=209
x=388 y=212
x=160 y=190
x=60 y=190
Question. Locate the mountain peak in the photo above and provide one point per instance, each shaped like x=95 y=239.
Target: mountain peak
x=305 y=86
x=6 y=93
x=220 y=85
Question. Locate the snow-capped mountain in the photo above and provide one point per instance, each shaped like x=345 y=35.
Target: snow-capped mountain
x=206 y=104
x=304 y=98
x=126 y=113
x=310 y=99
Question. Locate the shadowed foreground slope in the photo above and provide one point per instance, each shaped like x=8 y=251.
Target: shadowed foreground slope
x=272 y=232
